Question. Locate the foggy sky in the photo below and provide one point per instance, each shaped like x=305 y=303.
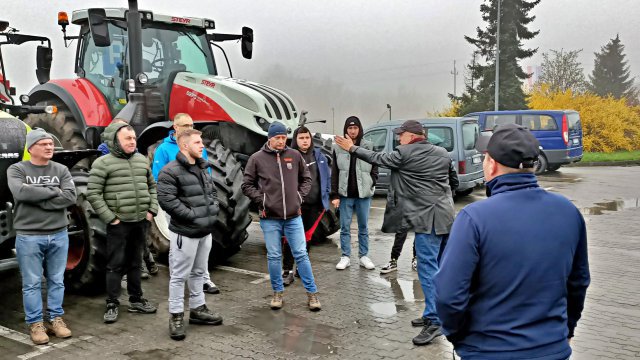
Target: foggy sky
x=348 y=57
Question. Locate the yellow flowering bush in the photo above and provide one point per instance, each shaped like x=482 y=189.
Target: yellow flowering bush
x=608 y=124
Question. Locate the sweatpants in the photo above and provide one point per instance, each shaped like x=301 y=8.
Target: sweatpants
x=188 y=260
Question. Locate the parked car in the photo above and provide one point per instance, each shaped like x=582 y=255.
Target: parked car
x=558 y=131
x=458 y=135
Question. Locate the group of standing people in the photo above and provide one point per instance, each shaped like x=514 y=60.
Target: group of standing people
x=501 y=287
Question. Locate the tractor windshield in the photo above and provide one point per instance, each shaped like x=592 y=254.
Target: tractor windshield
x=166 y=49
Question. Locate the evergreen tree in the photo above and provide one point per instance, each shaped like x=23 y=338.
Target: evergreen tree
x=610 y=74
x=514 y=20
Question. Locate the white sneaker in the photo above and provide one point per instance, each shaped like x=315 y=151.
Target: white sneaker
x=367 y=263
x=344 y=263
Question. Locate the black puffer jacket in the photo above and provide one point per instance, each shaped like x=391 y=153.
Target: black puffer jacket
x=187 y=193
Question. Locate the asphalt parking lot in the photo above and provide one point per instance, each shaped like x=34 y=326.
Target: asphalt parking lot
x=365 y=315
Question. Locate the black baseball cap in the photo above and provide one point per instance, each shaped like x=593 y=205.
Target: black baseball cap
x=411 y=126
x=511 y=145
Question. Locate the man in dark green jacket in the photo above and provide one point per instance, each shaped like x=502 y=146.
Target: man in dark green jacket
x=122 y=192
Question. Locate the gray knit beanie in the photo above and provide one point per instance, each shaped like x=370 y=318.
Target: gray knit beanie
x=36 y=135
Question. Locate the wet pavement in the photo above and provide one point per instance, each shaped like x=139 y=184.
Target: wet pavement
x=365 y=315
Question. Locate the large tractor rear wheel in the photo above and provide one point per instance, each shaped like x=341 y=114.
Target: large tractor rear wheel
x=230 y=229
x=64 y=127
x=86 y=260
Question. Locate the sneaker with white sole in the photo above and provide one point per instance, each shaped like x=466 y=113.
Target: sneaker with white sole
x=344 y=263
x=366 y=263
x=391 y=266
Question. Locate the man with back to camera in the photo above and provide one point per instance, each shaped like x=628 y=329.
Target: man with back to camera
x=122 y=192
x=514 y=275
x=419 y=200
x=42 y=190
x=187 y=192
x=165 y=153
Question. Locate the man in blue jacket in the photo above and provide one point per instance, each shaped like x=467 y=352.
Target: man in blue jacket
x=316 y=202
x=515 y=272
x=166 y=153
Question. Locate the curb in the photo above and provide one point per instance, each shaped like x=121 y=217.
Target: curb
x=605 y=163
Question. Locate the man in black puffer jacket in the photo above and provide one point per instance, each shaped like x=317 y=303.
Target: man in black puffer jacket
x=187 y=193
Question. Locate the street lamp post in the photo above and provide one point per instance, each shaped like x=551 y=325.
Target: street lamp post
x=497 y=86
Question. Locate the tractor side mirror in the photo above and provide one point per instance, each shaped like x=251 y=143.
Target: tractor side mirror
x=3 y=25
x=247 y=42
x=99 y=27
x=44 y=56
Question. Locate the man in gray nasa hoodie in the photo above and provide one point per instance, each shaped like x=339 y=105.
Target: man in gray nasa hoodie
x=42 y=190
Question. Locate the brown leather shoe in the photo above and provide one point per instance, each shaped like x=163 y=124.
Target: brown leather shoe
x=314 y=303
x=277 y=300
x=59 y=328
x=38 y=333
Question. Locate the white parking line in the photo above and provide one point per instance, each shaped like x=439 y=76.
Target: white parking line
x=378 y=208
x=45 y=349
x=262 y=276
x=15 y=335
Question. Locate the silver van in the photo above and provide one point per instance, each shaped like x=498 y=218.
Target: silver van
x=456 y=134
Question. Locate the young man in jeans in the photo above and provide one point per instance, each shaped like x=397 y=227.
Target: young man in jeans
x=317 y=200
x=353 y=183
x=276 y=178
x=187 y=193
x=122 y=192
x=42 y=190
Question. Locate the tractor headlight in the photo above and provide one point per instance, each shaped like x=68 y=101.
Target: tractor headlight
x=24 y=98
x=143 y=78
x=263 y=123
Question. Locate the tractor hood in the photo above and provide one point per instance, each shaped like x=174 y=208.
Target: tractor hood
x=251 y=105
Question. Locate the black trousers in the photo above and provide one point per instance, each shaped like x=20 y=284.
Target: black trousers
x=125 y=243
x=398 y=243
x=401 y=237
x=309 y=216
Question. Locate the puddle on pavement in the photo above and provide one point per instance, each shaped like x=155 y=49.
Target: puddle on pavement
x=600 y=208
x=403 y=290
x=386 y=309
x=294 y=333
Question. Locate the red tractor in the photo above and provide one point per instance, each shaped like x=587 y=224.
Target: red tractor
x=146 y=67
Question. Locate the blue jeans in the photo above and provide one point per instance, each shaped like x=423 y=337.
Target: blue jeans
x=361 y=208
x=427 y=249
x=33 y=252
x=293 y=229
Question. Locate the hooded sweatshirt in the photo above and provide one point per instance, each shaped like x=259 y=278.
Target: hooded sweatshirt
x=352 y=184
x=166 y=152
x=514 y=274
x=121 y=185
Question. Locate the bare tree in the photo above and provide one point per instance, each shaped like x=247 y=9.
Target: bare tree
x=562 y=71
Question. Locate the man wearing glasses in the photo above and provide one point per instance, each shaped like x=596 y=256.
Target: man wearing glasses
x=166 y=153
x=42 y=190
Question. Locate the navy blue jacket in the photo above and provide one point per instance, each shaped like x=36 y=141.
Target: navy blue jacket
x=514 y=273
x=325 y=176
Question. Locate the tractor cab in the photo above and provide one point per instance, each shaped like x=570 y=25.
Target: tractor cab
x=169 y=45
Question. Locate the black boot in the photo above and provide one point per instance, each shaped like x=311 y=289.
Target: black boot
x=287 y=277
x=429 y=332
x=176 y=326
x=203 y=316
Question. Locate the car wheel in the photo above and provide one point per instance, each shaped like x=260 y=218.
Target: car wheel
x=541 y=165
